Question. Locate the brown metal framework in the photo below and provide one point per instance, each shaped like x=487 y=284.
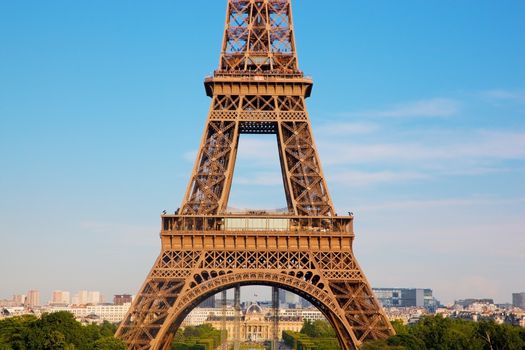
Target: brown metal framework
x=258 y=88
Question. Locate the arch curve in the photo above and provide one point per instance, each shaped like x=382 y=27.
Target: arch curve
x=319 y=297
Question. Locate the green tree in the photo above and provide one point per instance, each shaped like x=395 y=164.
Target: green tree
x=406 y=341
x=39 y=339
x=499 y=337
x=308 y=328
x=61 y=322
x=446 y=334
x=399 y=327
x=109 y=343
x=380 y=345
x=11 y=330
x=107 y=329
x=179 y=346
x=438 y=333
x=196 y=337
x=318 y=329
x=521 y=333
x=432 y=331
x=55 y=331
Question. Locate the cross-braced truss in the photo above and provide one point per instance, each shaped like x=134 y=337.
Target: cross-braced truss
x=259 y=37
x=205 y=250
x=205 y=254
x=285 y=116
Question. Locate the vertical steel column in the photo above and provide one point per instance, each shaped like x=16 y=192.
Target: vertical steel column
x=237 y=322
x=275 y=312
x=224 y=333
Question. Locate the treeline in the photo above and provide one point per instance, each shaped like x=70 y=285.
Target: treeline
x=316 y=335
x=203 y=337
x=60 y=331
x=430 y=333
x=438 y=333
x=56 y=331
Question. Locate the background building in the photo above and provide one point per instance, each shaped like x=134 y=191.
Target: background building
x=199 y=315
x=94 y=297
x=310 y=313
x=19 y=299
x=256 y=323
x=518 y=300
x=467 y=303
x=85 y=297
x=288 y=298
x=305 y=303
x=80 y=298
x=33 y=298
x=406 y=297
x=60 y=297
x=209 y=302
x=121 y=299
x=91 y=313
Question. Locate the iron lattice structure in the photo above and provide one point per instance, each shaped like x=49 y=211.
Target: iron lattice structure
x=257 y=89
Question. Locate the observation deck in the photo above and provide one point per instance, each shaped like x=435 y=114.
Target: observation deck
x=258 y=83
x=257 y=231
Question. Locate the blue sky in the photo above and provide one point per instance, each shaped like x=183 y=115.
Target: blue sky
x=418 y=112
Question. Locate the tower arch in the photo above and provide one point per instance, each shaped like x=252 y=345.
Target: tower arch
x=313 y=294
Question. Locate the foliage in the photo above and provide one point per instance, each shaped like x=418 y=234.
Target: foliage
x=203 y=337
x=109 y=343
x=53 y=331
x=302 y=341
x=380 y=345
x=318 y=329
x=438 y=333
x=430 y=333
x=11 y=330
x=495 y=336
x=399 y=327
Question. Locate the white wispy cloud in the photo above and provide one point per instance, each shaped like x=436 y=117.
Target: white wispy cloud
x=397 y=155
x=488 y=145
x=417 y=156
x=111 y=232
x=257 y=150
x=190 y=156
x=442 y=203
x=456 y=234
x=504 y=95
x=349 y=128
x=364 y=178
x=434 y=107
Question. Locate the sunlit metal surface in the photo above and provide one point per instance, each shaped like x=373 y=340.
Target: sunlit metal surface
x=258 y=88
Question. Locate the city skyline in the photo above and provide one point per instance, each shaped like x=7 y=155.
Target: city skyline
x=432 y=121
x=248 y=294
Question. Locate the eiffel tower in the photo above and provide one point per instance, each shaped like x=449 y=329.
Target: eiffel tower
x=257 y=89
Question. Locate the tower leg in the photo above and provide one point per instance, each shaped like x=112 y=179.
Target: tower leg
x=275 y=314
x=237 y=322
x=224 y=332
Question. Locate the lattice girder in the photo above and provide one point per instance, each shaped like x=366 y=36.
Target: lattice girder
x=259 y=37
x=344 y=303
x=305 y=187
x=312 y=258
x=259 y=89
x=214 y=163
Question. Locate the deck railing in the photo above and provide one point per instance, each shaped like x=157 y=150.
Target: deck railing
x=256 y=222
